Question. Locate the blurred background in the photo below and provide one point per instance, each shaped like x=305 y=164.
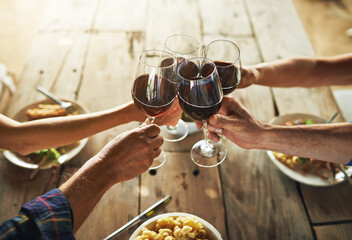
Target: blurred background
x=328 y=24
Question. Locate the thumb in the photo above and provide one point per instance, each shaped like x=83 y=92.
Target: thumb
x=220 y=121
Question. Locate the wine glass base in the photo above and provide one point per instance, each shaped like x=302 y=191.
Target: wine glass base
x=208 y=155
x=174 y=134
x=158 y=161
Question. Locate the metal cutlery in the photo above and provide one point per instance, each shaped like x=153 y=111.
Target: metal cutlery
x=141 y=217
x=340 y=166
x=70 y=108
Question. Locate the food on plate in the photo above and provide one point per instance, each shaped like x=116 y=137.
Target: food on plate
x=306 y=165
x=45 y=111
x=39 y=112
x=174 y=228
x=50 y=155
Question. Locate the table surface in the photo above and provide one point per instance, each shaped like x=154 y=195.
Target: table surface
x=86 y=50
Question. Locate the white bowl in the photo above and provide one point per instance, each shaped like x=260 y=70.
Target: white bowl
x=212 y=233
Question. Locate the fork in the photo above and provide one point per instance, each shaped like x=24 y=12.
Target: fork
x=69 y=107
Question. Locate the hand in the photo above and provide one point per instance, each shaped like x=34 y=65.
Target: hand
x=172 y=116
x=236 y=124
x=130 y=154
x=249 y=76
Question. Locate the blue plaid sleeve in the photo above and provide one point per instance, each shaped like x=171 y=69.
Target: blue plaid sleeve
x=349 y=164
x=46 y=217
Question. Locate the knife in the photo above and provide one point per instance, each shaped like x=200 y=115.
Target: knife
x=141 y=217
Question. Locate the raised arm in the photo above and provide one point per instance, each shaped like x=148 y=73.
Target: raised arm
x=327 y=142
x=125 y=157
x=50 y=216
x=301 y=72
x=52 y=132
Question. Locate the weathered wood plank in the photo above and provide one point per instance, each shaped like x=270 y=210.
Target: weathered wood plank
x=248 y=47
x=106 y=81
x=64 y=15
x=280 y=35
x=225 y=17
x=259 y=200
x=324 y=208
x=121 y=15
x=200 y=195
x=278 y=29
x=167 y=17
x=16 y=189
x=44 y=66
x=337 y=231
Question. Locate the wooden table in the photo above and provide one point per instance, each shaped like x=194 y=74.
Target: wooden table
x=86 y=50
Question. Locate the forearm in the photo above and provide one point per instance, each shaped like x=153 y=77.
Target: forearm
x=41 y=134
x=84 y=190
x=305 y=72
x=322 y=142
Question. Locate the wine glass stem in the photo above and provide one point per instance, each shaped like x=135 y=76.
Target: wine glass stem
x=205 y=132
x=150 y=120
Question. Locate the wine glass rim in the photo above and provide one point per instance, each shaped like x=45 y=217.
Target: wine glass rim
x=157 y=51
x=201 y=79
x=182 y=35
x=224 y=40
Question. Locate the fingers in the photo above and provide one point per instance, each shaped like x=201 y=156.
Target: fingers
x=199 y=124
x=214 y=137
x=151 y=130
x=213 y=129
x=156 y=152
x=220 y=121
x=157 y=142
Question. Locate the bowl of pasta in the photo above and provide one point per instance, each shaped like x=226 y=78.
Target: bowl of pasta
x=309 y=171
x=176 y=225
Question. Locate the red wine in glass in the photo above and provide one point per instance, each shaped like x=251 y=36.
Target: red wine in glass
x=198 y=104
x=149 y=102
x=153 y=90
x=200 y=97
x=226 y=56
x=230 y=76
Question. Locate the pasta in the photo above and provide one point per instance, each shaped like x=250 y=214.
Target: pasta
x=174 y=228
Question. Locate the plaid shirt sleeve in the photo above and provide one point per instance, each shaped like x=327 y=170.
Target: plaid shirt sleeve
x=46 y=217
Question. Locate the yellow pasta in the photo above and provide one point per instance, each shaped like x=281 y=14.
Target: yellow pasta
x=174 y=228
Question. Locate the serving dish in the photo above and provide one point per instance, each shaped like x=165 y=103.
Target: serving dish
x=213 y=234
x=70 y=150
x=300 y=176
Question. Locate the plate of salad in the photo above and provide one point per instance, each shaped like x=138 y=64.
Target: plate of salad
x=45 y=158
x=308 y=171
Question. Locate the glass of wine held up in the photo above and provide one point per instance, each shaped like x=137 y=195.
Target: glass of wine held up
x=153 y=91
x=226 y=56
x=182 y=47
x=200 y=96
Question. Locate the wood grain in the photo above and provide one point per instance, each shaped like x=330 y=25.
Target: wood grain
x=106 y=82
x=337 y=231
x=277 y=41
x=194 y=190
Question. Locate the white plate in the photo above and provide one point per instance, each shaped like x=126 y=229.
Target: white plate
x=213 y=234
x=71 y=150
x=192 y=128
x=305 y=178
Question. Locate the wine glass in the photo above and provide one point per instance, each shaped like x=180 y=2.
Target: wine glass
x=200 y=96
x=153 y=90
x=226 y=56
x=181 y=46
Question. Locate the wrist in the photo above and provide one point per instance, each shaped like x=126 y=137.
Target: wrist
x=135 y=114
x=275 y=138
